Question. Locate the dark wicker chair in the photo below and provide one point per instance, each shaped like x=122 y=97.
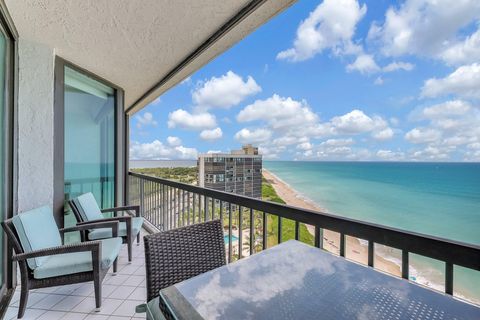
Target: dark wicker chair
x=29 y=282
x=180 y=254
x=128 y=238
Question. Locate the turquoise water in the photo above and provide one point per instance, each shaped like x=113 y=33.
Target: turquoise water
x=225 y=238
x=441 y=199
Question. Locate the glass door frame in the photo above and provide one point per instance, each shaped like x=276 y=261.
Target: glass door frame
x=59 y=135
x=9 y=150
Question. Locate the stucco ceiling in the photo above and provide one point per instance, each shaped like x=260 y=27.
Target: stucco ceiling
x=134 y=43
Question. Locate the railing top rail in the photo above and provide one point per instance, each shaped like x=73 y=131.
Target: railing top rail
x=450 y=251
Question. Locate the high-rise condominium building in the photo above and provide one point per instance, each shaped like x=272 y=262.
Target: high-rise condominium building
x=238 y=172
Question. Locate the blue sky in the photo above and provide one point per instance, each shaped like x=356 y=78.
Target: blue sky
x=332 y=80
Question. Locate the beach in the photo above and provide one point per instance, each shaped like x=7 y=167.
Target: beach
x=355 y=250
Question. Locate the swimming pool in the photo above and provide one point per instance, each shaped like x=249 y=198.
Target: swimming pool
x=225 y=238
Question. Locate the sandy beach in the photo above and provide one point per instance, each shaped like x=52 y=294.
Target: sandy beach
x=354 y=250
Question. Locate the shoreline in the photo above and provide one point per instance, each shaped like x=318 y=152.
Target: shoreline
x=354 y=250
x=386 y=259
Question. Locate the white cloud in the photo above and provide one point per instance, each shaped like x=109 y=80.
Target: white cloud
x=383 y=134
x=364 y=64
x=463 y=82
x=145 y=120
x=278 y=112
x=394 y=66
x=452 y=128
x=224 y=92
x=338 y=142
x=156 y=150
x=448 y=108
x=185 y=120
x=356 y=122
x=253 y=136
x=213 y=134
x=426 y=28
x=422 y=135
x=464 y=52
x=305 y=146
x=214 y=151
x=174 y=141
x=390 y=155
x=330 y=26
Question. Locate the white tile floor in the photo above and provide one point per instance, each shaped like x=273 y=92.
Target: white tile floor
x=120 y=294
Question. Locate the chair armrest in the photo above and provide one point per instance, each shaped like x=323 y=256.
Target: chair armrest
x=113 y=219
x=97 y=224
x=124 y=208
x=93 y=246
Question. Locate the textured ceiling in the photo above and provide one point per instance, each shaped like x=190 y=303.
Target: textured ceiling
x=135 y=43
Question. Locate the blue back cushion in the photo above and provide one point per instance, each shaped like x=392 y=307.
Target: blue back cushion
x=88 y=207
x=37 y=230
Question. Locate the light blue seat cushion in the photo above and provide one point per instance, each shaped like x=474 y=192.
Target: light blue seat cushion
x=88 y=207
x=37 y=230
x=103 y=233
x=69 y=263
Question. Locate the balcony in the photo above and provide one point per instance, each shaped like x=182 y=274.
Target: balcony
x=167 y=205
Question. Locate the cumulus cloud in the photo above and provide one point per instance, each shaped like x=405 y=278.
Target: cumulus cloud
x=145 y=119
x=305 y=146
x=452 y=128
x=253 y=136
x=356 y=122
x=174 y=141
x=464 y=52
x=390 y=155
x=446 y=109
x=420 y=27
x=384 y=134
x=364 y=63
x=213 y=134
x=156 y=150
x=186 y=120
x=394 y=66
x=322 y=30
x=463 y=82
x=225 y=91
x=278 y=112
x=422 y=135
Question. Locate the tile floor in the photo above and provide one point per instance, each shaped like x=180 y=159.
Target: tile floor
x=121 y=294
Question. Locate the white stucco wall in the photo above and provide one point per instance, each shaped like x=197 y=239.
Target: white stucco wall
x=35 y=125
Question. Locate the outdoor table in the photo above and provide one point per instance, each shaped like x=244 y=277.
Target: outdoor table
x=297 y=281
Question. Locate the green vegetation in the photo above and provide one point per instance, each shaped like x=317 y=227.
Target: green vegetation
x=288 y=226
x=180 y=174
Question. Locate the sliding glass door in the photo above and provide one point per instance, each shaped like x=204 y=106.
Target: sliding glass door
x=3 y=184
x=89 y=139
x=7 y=40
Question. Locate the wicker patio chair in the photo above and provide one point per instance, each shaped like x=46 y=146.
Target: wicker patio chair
x=180 y=254
x=45 y=261
x=86 y=210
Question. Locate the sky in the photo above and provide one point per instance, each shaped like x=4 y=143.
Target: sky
x=332 y=80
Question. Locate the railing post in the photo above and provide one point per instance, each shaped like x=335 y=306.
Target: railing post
x=449 y=278
x=142 y=195
x=318 y=237
x=229 y=232
x=371 y=253
x=405 y=264
x=264 y=231
x=240 y=233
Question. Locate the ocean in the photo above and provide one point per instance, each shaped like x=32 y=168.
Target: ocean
x=161 y=163
x=440 y=199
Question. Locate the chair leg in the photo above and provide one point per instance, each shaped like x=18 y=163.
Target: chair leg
x=97 y=283
x=23 y=301
x=138 y=239
x=115 y=264
x=129 y=246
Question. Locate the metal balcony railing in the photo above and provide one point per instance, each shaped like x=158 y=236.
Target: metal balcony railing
x=168 y=204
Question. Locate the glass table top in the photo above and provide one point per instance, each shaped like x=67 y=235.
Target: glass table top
x=297 y=281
